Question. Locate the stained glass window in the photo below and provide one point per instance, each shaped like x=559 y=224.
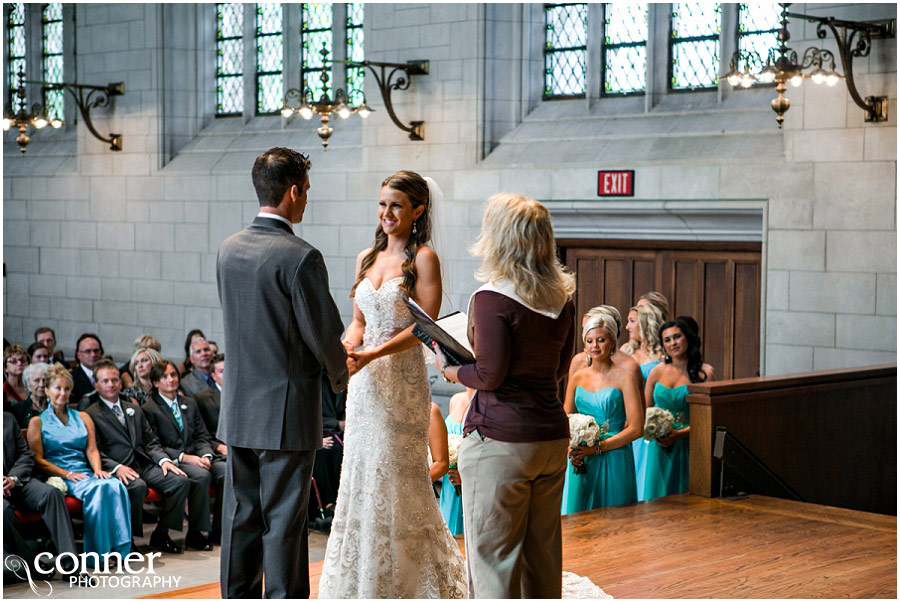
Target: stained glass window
x=315 y=35
x=229 y=59
x=565 y=50
x=269 y=59
x=694 y=45
x=758 y=25
x=624 y=49
x=16 y=51
x=355 y=52
x=52 y=58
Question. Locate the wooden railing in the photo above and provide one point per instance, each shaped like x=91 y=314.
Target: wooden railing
x=831 y=436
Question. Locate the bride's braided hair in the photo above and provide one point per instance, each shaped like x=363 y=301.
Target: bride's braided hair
x=415 y=188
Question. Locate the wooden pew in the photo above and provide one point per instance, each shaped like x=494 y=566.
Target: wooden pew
x=831 y=435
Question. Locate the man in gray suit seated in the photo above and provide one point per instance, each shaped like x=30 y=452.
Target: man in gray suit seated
x=199 y=378
x=282 y=329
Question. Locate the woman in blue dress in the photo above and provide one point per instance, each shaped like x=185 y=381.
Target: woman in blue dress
x=451 y=502
x=668 y=458
x=64 y=445
x=612 y=397
x=644 y=347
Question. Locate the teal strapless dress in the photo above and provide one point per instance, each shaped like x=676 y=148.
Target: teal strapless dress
x=667 y=471
x=107 y=511
x=639 y=446
x=609 y=480
x=451 y=504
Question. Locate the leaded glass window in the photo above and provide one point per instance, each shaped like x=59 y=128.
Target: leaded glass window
x=758 y=26
x=565 y=50
x=229 y=58
x=52 y=58
x=355 y=52
x=269 y=59
x=624 y=49
x=694 y=45
x=15 y=20
x=315 y=35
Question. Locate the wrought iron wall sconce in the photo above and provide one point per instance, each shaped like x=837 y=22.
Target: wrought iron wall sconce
x=86 y=97
x=388 y=77
x=854 y=39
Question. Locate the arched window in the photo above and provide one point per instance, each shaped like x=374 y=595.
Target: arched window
x=229 y=59
x=315 y=36
x=694 y=45
x=355 y=52
x=52 y=58
x=624 y=49
x=565 y=50
x=269 y=59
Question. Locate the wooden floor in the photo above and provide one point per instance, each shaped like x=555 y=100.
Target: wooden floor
x=693 y=547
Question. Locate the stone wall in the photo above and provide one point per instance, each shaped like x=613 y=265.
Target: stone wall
x=124 y=243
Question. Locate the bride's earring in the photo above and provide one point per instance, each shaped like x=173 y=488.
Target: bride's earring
x=414 y=228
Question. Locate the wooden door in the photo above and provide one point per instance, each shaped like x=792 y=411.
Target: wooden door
x=718 y=284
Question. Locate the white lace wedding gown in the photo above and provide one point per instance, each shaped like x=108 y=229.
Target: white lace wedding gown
x=388 y=538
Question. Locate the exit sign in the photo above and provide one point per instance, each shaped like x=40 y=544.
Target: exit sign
x=615 y=183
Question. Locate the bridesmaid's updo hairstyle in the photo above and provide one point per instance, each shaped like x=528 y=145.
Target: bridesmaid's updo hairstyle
x=275 y=171
x=156 y=373
x=415 y=188
x=657 y=300
x=694 y=355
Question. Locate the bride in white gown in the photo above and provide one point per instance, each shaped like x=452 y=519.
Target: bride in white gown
x=388 y=538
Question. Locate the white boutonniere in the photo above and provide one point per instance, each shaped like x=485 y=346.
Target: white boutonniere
x=183 y=407
x=130 y=411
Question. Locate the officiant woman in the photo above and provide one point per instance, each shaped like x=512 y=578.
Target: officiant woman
x=513 y=458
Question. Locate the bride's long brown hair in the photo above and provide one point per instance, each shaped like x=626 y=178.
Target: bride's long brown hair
x=415 y=188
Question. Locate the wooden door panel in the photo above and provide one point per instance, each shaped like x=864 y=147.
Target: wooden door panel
x=712 y=282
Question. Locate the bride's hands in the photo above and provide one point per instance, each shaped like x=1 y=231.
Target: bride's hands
x=357 y=360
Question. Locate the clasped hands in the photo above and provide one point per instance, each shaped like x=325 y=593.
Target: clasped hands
x=356 y=360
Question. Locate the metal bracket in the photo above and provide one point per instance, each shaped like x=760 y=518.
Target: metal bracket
x=387 y=83
x=89 y=97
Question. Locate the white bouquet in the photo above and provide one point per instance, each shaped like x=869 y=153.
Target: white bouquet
x=583 y=430
x=58 y=483
x=453 y=443
x=658 y=423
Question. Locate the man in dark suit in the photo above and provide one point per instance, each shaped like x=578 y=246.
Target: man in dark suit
x=176 y=420
x=45 y=335
x=209 y=402
x=199 y=378
x=130 y=450
x=282 y=329
x=29 y=495
x=88 y=350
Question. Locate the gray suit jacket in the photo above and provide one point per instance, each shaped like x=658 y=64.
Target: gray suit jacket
x=192 y=383
x=282 y=329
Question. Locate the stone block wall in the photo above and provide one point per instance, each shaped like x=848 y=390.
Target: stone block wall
x=125 y=243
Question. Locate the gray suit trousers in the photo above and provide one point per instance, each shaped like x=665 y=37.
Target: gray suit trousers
x=264 y=523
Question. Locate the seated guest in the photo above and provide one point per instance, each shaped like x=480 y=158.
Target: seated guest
x=209 y=401
x=45 y=335
x=142 y=361
x=200 y=377
x=35 y=378
x=185 y=366
x=64 y=445
x=143 y=341
x=182 y=434
x=131 y=451
x=213 y=348
x=22 y=492
x=38 y=354
x=14 y=361
x=668 y=459
x=88 y=350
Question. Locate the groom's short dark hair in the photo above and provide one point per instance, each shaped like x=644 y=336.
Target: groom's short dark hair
x=275 y=171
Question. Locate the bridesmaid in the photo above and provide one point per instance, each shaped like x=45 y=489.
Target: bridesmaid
x=64 y=445
x=644 y=347
x=451 y=504
x=657 y=300
x=611 y=396
x=619 y=358
x=667 y=469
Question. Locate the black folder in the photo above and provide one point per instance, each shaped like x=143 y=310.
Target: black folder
x=428 y=331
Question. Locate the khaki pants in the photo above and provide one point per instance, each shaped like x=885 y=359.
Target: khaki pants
x=512 y=494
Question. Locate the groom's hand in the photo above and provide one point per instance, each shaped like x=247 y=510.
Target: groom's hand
x=352 y=366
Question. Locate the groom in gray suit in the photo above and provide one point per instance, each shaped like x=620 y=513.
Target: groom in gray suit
x=282 y=329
